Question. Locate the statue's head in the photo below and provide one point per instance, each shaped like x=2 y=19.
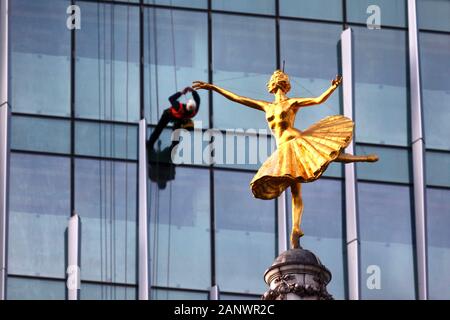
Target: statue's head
x=279 y=80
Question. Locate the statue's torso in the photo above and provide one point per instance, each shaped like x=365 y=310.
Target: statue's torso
x=280 y=118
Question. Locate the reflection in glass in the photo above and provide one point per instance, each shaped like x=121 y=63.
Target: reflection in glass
x=243 y=61
x=434 y=14
x=392 y=12
x=163 y=294
x=312 y=9
x=176 y=53
x=437 y=168
x=35 y=289
x=180 y=231
x=381 y=95
x=39 y=212
x=245 y=234
x=386 y=233
x=438 y=220
x=435 y=63
x=323 y=227
x=106 y=140
x=90 y=291
x=180 y=3
x=36 y=134
x=40 y=57
x=105 y=199
x=253 y=6
x=394 y=164
x=107 y=66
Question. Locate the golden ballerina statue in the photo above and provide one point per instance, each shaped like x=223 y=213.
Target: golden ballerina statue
x=301 y=156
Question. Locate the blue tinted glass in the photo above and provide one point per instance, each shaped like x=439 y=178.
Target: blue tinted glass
x=246 y=150
x=254 y=6
x=180 y=3
x=40 y=57
x=35 y=289
x=179 y=216
x=438 y=220
x=191 y=150
x=385 y=228
x=162 y=294
x=90 y=291
x=313 y=9
x=245 y=234
x=106 y=140
x=323 y=227
x=434 y=14
x=381 y=92
x=391 y=12
x=107 y=66
x=176 y=53
x=39 y=211
x=435 y=66
x=36 y=134
x=243 y=61
x=105 y=199
x=438 y=168
x=393 y=165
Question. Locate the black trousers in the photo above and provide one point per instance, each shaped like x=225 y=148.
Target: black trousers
x=166 y=117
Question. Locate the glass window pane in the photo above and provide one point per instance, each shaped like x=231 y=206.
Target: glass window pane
x=106 y=140
x=243 y=61
x=392 y=12
x=162 y=294
x=254 y=6
x=106 y=201
x=394 y=165
x=180 y=3
x=225 y=296
x=90 y=291
x=36 y=134
x=313 y=9
x=169 y=69
x=385 y=228
x=323 y=227
x=438 y=220
x=245 y=234
x=310 y=52
x=438 y=168
x=107 y=66
x=180 y=229
x=435 y=64
x=39 y=212
x=40 y=57
x=381 y=92
x=434 y=14
x=35 y=289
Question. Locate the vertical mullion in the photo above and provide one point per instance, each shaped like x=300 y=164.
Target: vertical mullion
x=351 y=210
x=5 y=115
x=418 y=150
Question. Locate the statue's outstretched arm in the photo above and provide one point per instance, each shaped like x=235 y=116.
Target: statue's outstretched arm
x=304 y=102
x=255 y=104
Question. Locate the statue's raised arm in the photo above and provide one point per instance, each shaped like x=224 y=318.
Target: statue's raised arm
x=305 y=102
x=252 y=103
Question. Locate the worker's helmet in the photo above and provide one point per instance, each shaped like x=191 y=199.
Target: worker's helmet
x=191 y=106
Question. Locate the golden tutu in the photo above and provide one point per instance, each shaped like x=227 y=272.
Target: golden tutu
x=304 y=158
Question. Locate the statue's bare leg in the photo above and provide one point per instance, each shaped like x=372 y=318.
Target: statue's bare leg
x=297 y=212
x=347 y=158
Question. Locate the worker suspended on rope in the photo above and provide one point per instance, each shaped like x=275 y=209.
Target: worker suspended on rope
x=179 y=113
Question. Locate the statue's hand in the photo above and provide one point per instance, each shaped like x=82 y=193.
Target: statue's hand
x=201 y=85
x=336 y=81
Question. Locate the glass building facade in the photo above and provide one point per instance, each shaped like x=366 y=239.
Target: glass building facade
x=77 y=96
